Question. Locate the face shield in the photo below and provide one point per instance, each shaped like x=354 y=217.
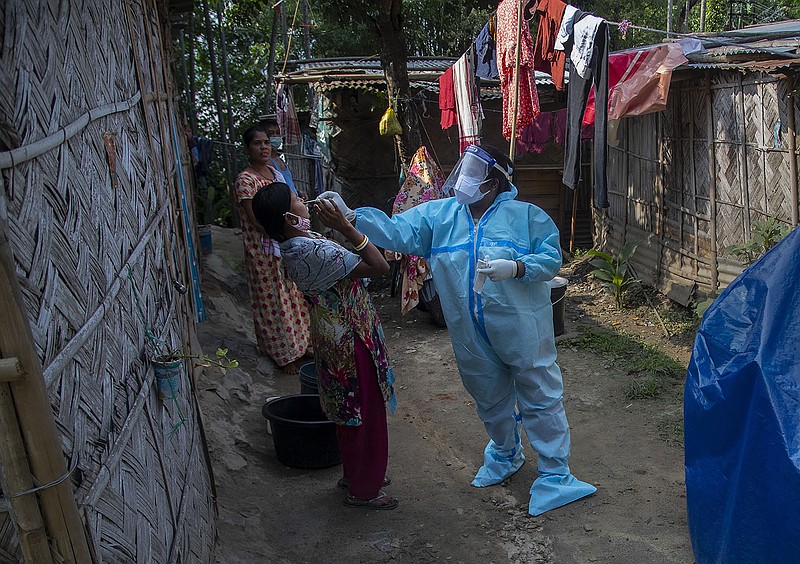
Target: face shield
x=469 y=173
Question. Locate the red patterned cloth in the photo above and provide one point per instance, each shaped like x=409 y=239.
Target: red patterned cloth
x=280 y=314
x=528 y=107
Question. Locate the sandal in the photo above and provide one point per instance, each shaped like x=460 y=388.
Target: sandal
x=343 y=483
x=383 y=501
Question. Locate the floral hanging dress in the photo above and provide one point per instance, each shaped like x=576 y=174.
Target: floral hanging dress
x=280 y=313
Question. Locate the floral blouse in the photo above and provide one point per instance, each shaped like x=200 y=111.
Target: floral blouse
x=341 y=310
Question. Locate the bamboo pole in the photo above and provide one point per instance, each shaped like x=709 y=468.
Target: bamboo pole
x=36 y=421
x=572 y=221
x=192 y=79
x=794 y=196
x=712 y=188
x=743 y=160
x=28 y=520
x=513 y=140
x=19 y=155
x=10 y=370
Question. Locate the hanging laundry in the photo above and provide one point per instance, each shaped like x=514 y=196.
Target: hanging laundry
x=587 y=74
x=423 y=183
x=528 y=105
x=560 y=128
x=535 y=137
x=287 y=115
x=545 y=57
x=326 y=129
x=486 y=50
x=583 y=37
x=468 y=107
x=564 y=36
x=447 y=100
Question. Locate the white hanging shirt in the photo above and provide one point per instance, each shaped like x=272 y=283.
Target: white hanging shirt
x=584 y=33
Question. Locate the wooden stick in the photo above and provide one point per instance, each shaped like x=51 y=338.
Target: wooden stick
x=572 y=222
x=712 y=185
x=790 y=129
x=35 y=415
x=19 y=155
x=27 y=518
x=10 y=370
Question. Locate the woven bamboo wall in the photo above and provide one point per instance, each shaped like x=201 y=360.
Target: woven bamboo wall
x=691 y=180
x=99 y=257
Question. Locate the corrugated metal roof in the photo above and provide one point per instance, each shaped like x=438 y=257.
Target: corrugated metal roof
x=367 y=74
x=372 y=63
x=774 y=30
x=747 y=65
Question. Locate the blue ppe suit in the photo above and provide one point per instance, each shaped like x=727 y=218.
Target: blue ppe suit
x=503 y=337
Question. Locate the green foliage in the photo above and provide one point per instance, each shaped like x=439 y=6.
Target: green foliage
x=701 y=307
x=649 y=387
x=613 y=271
x=655 y=371
x=220 y=359
x=679 y=319
x=579 y=254
x=764 y=235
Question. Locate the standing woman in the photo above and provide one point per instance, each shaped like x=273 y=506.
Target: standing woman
x=276 y=160
x=353 y=374
x=280 y=313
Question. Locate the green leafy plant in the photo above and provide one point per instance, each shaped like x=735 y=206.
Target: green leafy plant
x=764 y=235
x=612 y=271
x=220 y=359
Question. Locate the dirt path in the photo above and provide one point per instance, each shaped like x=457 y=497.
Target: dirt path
x=271 y=513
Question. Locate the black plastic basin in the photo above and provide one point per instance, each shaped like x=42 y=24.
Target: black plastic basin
x=302 y=435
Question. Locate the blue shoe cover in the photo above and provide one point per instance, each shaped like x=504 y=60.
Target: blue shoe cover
x=554 y=490
x=497 y=468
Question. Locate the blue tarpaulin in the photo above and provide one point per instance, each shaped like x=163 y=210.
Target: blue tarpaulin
x=742 y=417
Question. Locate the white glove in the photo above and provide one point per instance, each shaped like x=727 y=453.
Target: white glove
x=499 y=270
x=348 y=214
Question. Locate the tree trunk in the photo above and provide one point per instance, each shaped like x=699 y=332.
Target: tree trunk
x=273 y=36
x=212 y=59
x=394 y=61
x=683 y=15
x=226 y=77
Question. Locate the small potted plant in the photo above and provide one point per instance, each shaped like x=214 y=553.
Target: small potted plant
x=168 y=367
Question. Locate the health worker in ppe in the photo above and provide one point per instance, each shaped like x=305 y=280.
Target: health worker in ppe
x=502 y=333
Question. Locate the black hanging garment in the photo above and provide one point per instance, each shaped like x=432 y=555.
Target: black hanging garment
x=577 y=96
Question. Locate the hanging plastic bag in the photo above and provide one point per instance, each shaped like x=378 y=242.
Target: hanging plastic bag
x=390 y=125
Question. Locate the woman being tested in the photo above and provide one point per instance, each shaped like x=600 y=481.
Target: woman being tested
x=491 y=257
x=353 y=374
x=280 y=313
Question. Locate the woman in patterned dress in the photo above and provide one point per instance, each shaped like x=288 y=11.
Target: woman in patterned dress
x=280 y=313
x=353 y=375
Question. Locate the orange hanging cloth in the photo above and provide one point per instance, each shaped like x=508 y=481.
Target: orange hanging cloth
x=545 y=57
